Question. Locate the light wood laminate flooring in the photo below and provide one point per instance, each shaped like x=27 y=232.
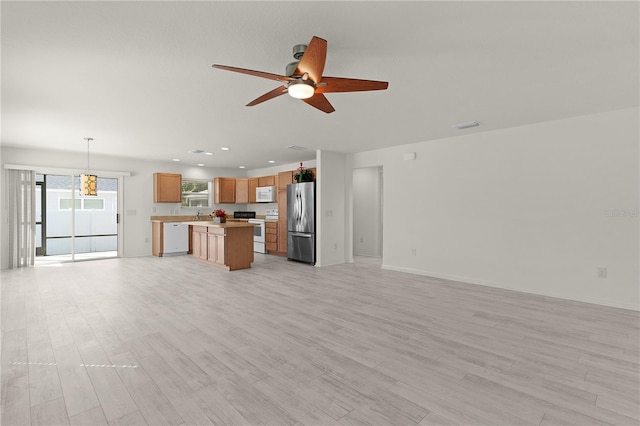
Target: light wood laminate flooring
x=173 y=341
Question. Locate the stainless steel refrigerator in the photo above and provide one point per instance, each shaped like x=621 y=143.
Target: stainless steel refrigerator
x=301 y=222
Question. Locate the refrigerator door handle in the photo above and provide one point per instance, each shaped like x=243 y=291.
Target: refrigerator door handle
x=295 y=234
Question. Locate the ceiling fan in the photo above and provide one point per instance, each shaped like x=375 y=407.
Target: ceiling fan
x=304 y=79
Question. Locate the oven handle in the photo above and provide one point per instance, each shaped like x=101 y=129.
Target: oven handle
x=295 y=234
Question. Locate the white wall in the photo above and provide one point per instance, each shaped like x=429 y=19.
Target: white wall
x=331 y=210
x=274 y=170
x=536 y=208
x=367 y=228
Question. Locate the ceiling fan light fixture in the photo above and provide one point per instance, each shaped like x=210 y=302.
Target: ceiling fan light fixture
x=304 y=76
x=301 y=89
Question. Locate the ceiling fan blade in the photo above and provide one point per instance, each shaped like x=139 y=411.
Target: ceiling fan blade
x=312 y=61
x=269 y=95
x=254 y=73
x=321 y=102
x=339 y=84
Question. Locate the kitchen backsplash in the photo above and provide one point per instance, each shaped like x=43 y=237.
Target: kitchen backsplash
x=177 y=210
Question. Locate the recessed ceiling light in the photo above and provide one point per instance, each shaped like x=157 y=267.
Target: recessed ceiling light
x=200 y=164
x=241 y=167
x=175 y=159
x=466 y=125
x=271 y=161
x=196 y=151
x=208 y=153
x=297 y=148
x=224 y=148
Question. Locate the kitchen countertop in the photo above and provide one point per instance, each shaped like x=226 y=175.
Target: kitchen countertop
x=190 y=218
x=220 y=225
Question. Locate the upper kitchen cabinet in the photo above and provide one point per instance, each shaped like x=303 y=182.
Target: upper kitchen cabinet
x=253 y=184
x=167 y=188
x=224 y=190
x=267 y=181
x=284 y=179
x=242 y=191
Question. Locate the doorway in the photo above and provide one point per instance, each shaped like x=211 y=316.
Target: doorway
x=72 y=227
x=367 y=211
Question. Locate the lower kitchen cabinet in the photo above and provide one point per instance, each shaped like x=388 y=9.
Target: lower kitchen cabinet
x=216 y=246
x=271 y=236
x=199 y=242
x=228 y=246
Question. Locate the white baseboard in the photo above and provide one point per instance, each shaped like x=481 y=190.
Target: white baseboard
x=467 y=280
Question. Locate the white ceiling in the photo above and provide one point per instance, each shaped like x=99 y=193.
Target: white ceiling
x=137 y=76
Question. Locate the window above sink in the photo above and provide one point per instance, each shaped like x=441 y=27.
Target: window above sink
x=196 y=193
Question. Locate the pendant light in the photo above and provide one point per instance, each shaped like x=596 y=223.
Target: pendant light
x=89 y=181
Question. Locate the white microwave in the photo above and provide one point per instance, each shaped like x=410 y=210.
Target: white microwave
x=266 y=194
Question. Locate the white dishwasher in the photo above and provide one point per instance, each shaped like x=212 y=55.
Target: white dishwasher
x=176 y=239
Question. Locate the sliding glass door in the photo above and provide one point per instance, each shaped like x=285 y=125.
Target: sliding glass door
x=75 y=227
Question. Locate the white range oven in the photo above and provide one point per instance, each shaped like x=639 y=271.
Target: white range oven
x=259 y=238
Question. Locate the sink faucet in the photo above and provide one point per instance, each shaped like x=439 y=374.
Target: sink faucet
x=198 y=215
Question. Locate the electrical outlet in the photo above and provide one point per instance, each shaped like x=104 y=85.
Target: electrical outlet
x=361 y=240
x=602 y=272
x=146 y=240
x=413 y=252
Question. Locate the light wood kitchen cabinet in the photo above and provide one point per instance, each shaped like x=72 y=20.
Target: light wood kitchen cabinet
x=224 y=190
x=271 y=236
x=282 y=236
x=229 y=246
x=282 y=221
x=267 y=181
x=167 y=188
x=242 y=191
x=253 y=184
x=199 y=242
x=284 y=178
x=156 y=238
x=216 y=246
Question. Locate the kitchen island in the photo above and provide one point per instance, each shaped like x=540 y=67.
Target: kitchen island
x=226 y=245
